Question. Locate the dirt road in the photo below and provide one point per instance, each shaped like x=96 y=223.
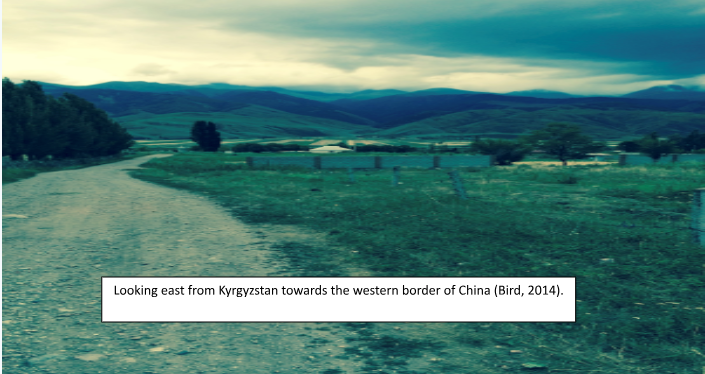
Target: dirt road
x=63 y=230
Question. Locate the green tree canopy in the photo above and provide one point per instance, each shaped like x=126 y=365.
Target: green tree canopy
x=565 y=141
x=38 y=125
x=206 y=135
x=655 y=147
x=504 y=151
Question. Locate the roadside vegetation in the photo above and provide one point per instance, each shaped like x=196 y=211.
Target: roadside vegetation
x=38 y=126
x=10 y=175
x=622 y=231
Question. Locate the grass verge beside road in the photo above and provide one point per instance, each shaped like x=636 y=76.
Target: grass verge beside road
x=622 y=231
x=11 y=175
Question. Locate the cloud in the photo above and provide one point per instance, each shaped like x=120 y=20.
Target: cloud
x=589 y=46
x=151 y=70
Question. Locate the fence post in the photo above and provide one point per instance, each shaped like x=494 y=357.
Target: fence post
x=622 y=160
x=317 y=162
x=698 y=220
x=378 y=162
x=250 y=162
x=395 y=176
x=458 y=185
x=436 y=161
x=674 y=158
x=351 y=175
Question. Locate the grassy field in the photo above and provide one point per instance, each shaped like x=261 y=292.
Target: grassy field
x=622 y=231
x=14 y=175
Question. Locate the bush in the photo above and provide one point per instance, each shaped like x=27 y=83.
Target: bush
x=505 y=151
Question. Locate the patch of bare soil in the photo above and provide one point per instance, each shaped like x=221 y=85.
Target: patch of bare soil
x=63 y=230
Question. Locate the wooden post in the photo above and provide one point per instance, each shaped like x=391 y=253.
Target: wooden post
x=317 y=162
x=436 y=161
x=351 y=175
x=378 y=162
x=395 y=176
x=458 y=185
x=698 y=220
x=622 y=160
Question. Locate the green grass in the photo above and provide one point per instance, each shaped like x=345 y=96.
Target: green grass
x=642 y=313
x=14 y=175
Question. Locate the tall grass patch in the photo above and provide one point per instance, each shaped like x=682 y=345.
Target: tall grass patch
x=622 y=231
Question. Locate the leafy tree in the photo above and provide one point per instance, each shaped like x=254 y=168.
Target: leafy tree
x=629 y=146
x=565 y=141
x=505 y=151
x=654 y=147
x=15 y=115
x=39 y=125
x=693 y=142
x=205 y=134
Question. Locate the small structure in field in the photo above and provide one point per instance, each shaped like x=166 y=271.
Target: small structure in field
x=599 y=156
x=330 y=149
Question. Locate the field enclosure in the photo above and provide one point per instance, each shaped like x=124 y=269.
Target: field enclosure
x=622 y=231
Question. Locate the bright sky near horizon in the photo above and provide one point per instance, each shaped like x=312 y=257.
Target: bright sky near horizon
x=577 y=46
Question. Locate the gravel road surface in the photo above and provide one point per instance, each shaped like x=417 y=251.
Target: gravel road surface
x=63 y=230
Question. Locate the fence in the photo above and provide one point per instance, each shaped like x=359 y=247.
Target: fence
x=698 y=220
x=379 y=162
x=641 y=159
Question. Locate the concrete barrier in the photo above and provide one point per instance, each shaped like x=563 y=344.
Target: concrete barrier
x=379 y=162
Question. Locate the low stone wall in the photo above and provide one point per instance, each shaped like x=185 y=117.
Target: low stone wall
x=379 y=162
x=642 y=160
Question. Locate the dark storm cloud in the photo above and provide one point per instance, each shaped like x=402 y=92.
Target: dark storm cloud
x=578 y=46
x=666 y=39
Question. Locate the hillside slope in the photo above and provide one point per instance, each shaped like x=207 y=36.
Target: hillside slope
x=250 y=121
x=600 y=123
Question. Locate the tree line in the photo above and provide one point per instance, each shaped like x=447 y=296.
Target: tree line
x=38 y=125
x=564 y=141
x=656 y=147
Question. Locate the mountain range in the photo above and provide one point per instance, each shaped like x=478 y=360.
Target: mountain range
x=155 y=110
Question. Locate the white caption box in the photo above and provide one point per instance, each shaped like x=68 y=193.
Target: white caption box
x=318 y=299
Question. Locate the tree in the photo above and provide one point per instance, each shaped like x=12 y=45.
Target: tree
x=628 y=146
x=504 y=151
x=15 y=116
x=693 y=142
x=654 y=147
x=205 y=134
x=565 y=141
x=38 y=125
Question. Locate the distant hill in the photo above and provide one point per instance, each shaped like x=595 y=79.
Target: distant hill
x=441 y=91
x=600 y=123
x=249 y=121
x=401 y=109
x=245 y=111
x=542 y=94
x=293 y=105
x=121 y=103
x=216 y=89
x=672 y=92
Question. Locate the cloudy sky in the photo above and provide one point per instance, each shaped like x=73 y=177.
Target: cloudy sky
x=576 y=46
